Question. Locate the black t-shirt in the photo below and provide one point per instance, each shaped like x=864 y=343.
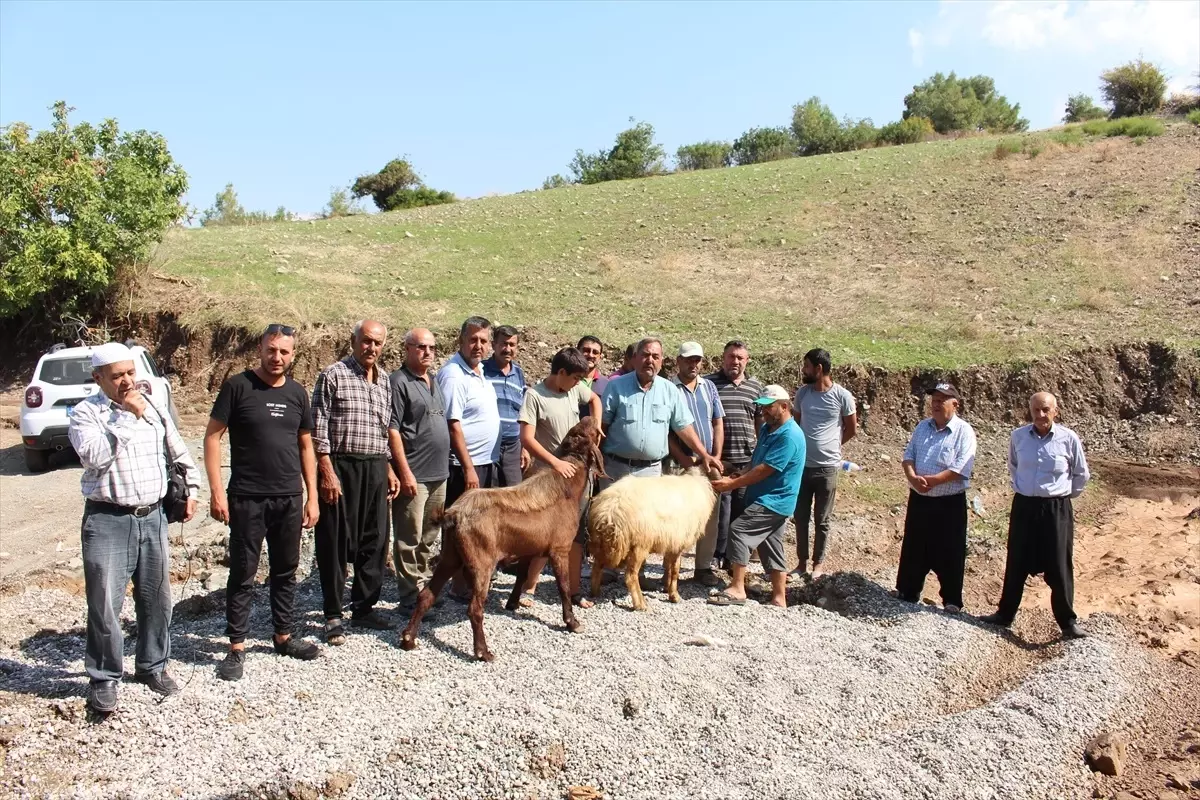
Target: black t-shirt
x=264 y=423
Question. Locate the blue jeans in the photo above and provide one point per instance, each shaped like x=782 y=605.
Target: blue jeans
x=117 y=547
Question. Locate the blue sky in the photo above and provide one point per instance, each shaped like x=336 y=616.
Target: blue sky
x=287 y=100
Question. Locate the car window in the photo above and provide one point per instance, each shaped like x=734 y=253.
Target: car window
x=151 y=367
x=66 y=371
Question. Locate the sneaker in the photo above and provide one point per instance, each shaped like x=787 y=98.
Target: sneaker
x=230 y=668
x=159 y=683
x=706 y=577
x=996 y=619
x=102 y=697
x=295 y=648
x=373 y=620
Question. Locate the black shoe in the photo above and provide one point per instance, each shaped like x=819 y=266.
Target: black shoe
x=1072 y=631
x=102 y=697
x=372 y=620
x=230 y=668
x=159 y=683
x=996 y=619
x=294 y=648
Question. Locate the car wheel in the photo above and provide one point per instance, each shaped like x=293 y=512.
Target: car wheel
x=37 y=460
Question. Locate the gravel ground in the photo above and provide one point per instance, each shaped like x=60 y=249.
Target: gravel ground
x=804 y=703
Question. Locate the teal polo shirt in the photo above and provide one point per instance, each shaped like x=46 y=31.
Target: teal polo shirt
x=639 y=419
x=783 y=450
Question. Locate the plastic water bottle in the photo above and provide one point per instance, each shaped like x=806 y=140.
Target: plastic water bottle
x=850 y=466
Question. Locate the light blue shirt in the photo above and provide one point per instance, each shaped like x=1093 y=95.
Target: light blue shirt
x=783 y=450
x=704 y=405
x=471 y=401
x=952 y=448
x=639 y=419
x=510 y=395
x=1047 y=466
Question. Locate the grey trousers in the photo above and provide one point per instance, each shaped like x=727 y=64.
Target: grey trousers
x=413 y=536
x=818 y=490
x=117 y=547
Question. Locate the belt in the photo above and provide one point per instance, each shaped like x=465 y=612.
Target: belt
x=640 y=463
x=92 y=506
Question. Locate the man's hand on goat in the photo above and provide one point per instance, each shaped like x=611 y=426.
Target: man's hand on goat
x=710 y=464
x=722 y=485
x=564 y=468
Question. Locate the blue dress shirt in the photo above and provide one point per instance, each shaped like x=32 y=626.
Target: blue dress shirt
x=1047 y=466
x=951 y=448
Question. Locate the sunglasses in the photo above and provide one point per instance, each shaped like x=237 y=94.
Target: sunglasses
x=276 y=328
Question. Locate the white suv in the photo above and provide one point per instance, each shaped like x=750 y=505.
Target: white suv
x=63 y=378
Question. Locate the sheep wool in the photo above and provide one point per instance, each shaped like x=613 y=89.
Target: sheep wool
x=636 y=516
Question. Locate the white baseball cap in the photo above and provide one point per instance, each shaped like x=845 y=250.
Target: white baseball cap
x=110 y=353
x=772 y=394
x=690 y=350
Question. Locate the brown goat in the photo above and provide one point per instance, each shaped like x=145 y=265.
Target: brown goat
x=538 y=517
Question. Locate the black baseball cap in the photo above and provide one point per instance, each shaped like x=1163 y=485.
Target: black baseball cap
x=946 y=388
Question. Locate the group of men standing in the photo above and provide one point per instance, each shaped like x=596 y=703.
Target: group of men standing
x=372 y=447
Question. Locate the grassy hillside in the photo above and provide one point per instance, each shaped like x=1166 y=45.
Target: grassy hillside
x=937 y=254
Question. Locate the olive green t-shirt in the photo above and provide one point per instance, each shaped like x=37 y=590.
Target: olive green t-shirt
x=552 y=414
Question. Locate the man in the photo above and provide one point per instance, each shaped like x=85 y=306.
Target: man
x=352 y=409
x=593 y=350
x=1048 y=470
x=772 y=482
x=471 y=412
x=126 y=442
x=738 y=394
x=420 y=445
x=827 y=413
x=704 y=404
x=270 y=424
x=639 y=410
x=551 y=409
x=937 y=463
x=508 y=382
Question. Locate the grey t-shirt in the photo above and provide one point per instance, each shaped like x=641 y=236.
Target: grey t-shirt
x=419 y=414
x=821 y=420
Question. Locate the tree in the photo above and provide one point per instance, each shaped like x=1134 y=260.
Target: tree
x=225 y=210
x=1133 y=89
x=758 y=145
x=635 y=155
x=963 y=104
x=815 y=128
x=906 y=131
x=76 y=205
x=857 y=134
x=704 y=155
x=555 y=181
x=340 y=205
x=1081 y=108
x=397 y=186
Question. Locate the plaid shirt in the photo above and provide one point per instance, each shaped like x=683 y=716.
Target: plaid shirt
x=952 y=448
x=122 y=455
x=351 y=414
x=737 y=400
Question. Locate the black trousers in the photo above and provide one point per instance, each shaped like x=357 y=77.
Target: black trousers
x=1041 y=538
x=253 y=520
x=818 y=490
x=935 y=538
x=354 y=531
x=456 y=484
x=732 y=504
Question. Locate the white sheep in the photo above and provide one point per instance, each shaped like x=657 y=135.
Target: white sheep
x=635 y=517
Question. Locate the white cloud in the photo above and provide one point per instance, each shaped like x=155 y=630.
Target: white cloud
x=1164 y=31
x=916 y=40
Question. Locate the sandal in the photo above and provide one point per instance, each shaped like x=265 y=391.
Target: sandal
x=526 y=600
x=726 y=599
x=335 y=634
x=579 y=601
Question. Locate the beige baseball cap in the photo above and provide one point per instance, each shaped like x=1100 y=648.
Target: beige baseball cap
x=690 y=350
x=772 y=394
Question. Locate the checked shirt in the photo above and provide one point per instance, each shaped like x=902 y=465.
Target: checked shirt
x=351 y=414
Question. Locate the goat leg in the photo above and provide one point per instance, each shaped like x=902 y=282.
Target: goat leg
x=559 y=562
x=448 y=564
x=479 y=580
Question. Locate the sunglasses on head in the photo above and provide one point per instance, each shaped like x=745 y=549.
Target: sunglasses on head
x=276 y=328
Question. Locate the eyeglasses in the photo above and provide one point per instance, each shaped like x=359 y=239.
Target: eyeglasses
x=276 y=328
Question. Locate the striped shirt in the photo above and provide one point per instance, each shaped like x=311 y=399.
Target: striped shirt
x=122 y=455
x=1047 y=466
x=737 y=399
x=951 y=448
x=705 y=405
x=510 y=395
x=350 y=413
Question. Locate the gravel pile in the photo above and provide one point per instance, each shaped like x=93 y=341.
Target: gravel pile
x=835 y=698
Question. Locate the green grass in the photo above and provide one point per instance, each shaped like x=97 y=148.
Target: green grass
x=1194 y=116
x=1125 y=126
x=934 y=254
